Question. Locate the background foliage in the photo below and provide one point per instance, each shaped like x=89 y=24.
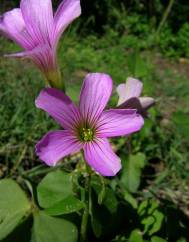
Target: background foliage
x=149 y=200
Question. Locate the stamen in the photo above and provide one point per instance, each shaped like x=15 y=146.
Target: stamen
x=86 y=134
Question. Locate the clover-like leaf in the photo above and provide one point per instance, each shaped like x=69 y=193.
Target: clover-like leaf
x=55 y=187
x=131 y=172
x=68 y=205
x=14 y=206
x=50 y=229
x=151 y=216
x=157 y=239
x=136 y=236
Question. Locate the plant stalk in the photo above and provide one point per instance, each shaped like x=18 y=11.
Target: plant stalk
x=84 y=221
x=164 y=17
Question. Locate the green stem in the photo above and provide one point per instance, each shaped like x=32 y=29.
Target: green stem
x=41 y=170
x=84 y=221
x=128 y=145
x=165 y=16
x=103 y=190
x=54 y=79
x=17 y=163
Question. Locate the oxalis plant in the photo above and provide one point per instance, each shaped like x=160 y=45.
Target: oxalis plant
x=66 y=203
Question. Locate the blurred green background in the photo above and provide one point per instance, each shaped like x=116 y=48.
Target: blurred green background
x=145 y=39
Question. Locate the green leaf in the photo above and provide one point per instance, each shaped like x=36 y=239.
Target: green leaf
x=148 y=223
x=109 y=198
x=50 y=229
x=54 y=188
x=136 y=65
x=96 y=225
x=143 y=207
x=110 y=201
x=131 y=172
x=95 y=222
x=157 y=239
x=68 y=205
x=14 y=206
x=130 y=199
x=158 y=222
x=182 y=240
x=151 y=217
x=136 y=236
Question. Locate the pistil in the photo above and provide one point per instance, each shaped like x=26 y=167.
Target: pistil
x=87 y=134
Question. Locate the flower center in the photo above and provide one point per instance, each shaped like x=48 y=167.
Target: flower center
x=87 y=134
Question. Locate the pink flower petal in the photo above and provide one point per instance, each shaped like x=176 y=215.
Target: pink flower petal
x=141 y=104
x=132 y=88
x=56 y=145
x=67 y=11
x=132 y=103
x=38 y=16
x=12 y=25
x=43 y=56
x=100 y=156
x=59 y=106
x=118 y=122
x=95 y=93
x=121 y=90
x=23 y=54
x=146 y=102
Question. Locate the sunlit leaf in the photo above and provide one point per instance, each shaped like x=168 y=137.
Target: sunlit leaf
x=143 y=207
x=158 y=222
x=136 y=236
x=157 y=239
x=131 y=172
x=14 y=206
x=151 y=216
x=68 y=205
x=55 y=187
x=50 y=229
x=130 y=199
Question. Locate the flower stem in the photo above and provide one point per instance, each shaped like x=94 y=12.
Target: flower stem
x=55 y=80
x=84 y=221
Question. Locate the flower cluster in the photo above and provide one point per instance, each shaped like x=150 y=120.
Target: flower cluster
x=88 y=125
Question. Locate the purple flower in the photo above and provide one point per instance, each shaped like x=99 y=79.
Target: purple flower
x=37 y=31
x=129 y=96
x=86 y=127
